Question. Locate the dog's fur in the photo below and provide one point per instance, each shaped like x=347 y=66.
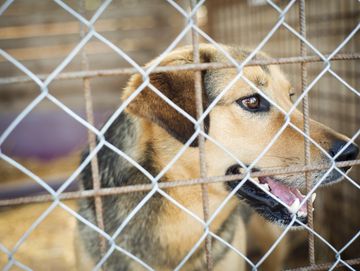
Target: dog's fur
x=151 y=132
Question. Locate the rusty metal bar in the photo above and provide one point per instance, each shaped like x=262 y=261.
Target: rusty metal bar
x=306 y=118
x=187 y=67
x=172 y=184
x=324 y=266
x=91 y=137
x=201 y=140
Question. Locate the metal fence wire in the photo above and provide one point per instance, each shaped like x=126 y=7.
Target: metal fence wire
x=307 y=53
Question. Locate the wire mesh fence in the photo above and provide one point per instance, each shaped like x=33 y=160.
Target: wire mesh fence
x=97 y=140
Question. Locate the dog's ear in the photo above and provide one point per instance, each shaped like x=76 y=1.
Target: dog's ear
x=179 y=87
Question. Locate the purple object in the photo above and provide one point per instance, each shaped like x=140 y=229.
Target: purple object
x=46 y=134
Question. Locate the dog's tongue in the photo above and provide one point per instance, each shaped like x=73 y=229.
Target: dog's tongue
x=286 y=194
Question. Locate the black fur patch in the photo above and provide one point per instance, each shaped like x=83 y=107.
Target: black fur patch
x=138 y=236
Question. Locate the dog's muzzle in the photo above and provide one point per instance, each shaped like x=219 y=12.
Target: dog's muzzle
x=260 y=196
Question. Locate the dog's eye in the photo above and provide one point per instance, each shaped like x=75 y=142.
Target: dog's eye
x=254 y=103
x=251 y=102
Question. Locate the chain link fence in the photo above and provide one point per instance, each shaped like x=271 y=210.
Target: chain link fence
x=88 y=31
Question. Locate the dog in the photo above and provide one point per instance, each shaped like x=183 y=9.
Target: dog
x=151 y=132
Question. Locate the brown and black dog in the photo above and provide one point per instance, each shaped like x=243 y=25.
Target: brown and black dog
x=151 y=132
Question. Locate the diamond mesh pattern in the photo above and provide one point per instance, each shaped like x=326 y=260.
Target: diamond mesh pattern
x=155 y=187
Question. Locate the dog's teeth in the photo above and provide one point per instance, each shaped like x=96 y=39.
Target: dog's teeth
x=293 y=208
x=301 y=214
x=313 y=197
x=265 y=186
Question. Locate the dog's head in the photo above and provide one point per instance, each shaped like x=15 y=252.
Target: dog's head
x=245 y=123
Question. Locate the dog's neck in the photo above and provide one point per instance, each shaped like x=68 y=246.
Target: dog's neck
x=165 y=148
x=161 y=222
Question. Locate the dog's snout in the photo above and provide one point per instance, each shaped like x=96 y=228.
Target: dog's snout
x=350 y=153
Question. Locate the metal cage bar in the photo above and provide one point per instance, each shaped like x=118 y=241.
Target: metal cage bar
x=43 y=81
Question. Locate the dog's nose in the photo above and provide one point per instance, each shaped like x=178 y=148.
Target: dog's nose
x=350 y=153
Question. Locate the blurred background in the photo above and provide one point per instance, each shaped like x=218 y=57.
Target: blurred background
x=40 y=34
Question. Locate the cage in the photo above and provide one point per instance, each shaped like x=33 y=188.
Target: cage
x=64 y=65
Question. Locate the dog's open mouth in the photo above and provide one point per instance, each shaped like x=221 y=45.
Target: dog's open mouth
x=266 y=205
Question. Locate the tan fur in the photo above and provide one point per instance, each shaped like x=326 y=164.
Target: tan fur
x=232 y=261
x=83 y=260
x=231 y=126
x=262 y=234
